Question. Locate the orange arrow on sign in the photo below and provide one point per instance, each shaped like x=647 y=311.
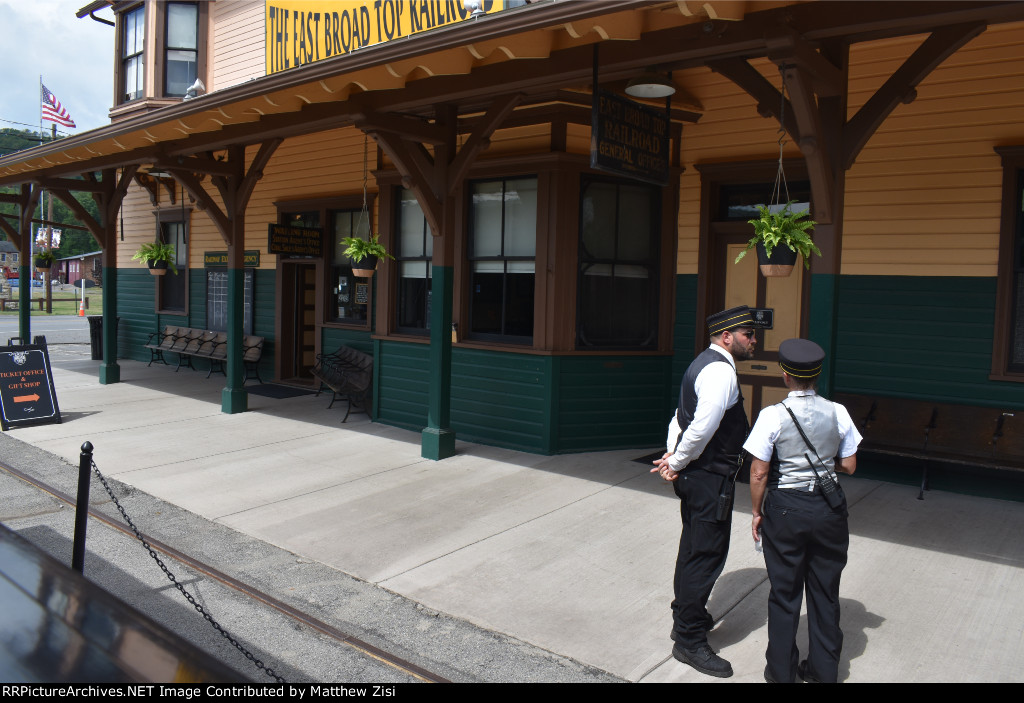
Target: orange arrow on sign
x=26 y=398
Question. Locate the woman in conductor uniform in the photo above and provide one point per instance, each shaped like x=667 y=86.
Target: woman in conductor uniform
x=803 y=518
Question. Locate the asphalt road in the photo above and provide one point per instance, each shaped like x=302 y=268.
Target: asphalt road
x=58 y=329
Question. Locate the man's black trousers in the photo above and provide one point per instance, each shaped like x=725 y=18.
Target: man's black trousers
x=703 y=547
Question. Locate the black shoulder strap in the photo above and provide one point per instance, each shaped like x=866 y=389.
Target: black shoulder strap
x=806 y=441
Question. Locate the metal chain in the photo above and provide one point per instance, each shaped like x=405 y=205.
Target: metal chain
x=188 y=596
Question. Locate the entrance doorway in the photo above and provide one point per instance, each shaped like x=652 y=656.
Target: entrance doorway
x=297 y=349
x=731 y=199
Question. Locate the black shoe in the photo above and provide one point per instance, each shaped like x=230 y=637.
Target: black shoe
x=801 y=671
x=703 y=660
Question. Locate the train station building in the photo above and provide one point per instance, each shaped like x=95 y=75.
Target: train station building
x=541 y=297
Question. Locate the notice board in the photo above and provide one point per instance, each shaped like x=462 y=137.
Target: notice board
x=27 y=396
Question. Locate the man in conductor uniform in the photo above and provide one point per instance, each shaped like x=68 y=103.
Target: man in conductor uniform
x=704 y=441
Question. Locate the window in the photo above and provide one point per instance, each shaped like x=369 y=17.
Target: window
x=172 y=290
x=132 y=44
x=413 y=252
x=502 y=249
x=618 y=265
x=351 y=295
x=181 y=48
x=1008 y=334
x=217 y=300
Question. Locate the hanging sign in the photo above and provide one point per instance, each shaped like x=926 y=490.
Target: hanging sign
x=629 y=139
x=295 y=241
x=764 y=318
x=305 y=31
x=27 y=396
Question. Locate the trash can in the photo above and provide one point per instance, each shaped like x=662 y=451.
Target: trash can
x=96 y=335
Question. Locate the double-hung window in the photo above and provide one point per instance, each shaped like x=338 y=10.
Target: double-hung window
x=413 y=254
x=617 y=302
x=502 y=252
x=132 y=45
x=181 y=47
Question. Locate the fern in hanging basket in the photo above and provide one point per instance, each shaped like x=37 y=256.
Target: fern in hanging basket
x=786 y=227
x=152 y=253
x=358 y=249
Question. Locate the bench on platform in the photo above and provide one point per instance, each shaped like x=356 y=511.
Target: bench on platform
x=943 y=433
x=348 y=373
x=189 y=343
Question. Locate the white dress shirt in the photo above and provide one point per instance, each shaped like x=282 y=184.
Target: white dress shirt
x=717 y=389
x=769 y=423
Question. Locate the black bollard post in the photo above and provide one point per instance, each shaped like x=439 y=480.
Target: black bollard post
x=82 y=509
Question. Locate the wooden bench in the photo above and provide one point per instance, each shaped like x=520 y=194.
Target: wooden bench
x=348 y=373
x=189 y=343
x=938 y=433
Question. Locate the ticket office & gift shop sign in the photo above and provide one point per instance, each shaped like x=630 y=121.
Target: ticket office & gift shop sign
x=27 y=395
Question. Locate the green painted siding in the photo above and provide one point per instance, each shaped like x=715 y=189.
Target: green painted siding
x=612 y=402
x=683 y=333
x=920 y=337
x=136 y=289
x=264 y=306
x=403 y=380
x=499 y=398
x=357 y=339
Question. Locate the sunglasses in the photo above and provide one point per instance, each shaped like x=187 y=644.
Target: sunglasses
x=749 y=334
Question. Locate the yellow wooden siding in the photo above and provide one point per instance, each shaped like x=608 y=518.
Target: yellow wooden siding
x=519 y=140
x=923 y=197
x=238 y=38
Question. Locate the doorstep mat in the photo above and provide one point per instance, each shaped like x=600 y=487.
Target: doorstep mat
x=274 y=390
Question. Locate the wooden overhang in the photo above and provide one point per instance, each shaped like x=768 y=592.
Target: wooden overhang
x=534 y=52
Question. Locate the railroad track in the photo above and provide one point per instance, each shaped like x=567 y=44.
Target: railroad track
x=212 y=572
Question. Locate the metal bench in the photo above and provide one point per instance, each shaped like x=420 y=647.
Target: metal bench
x=188 y=342
x=348 y=373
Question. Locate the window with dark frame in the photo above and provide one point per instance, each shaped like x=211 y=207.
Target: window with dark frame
x=502 y=252
x=350 y=294
x=618 y=287
x=132 y=45
x=1015 y=361
x=181 y=47
x=173 y=288
x=414 y=248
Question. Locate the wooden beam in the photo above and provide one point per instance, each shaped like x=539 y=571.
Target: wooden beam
x=189 y=181
x=411 y=128
x=933 y=51
x=479 y=139
x=70 y=184
x=789 y=49
x=769 y=100
x=414 y=164
x=197 y=164
x=95 y=228
x=811 y=142
x=255 y=173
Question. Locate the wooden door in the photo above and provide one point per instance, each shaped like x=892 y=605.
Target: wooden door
x=743 y=284
x=298 y=318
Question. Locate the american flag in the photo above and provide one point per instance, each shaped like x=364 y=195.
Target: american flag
x=54 y=111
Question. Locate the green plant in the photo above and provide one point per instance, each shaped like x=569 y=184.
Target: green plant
x=358 y=249
x=156 y=251
x=45 y=257
x=784 y=227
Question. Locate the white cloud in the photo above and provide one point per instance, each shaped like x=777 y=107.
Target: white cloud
x=74 y=56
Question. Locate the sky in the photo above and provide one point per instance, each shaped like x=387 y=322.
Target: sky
x=74 y=56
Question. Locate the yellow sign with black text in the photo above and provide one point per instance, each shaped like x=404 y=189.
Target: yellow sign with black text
x=304 y=31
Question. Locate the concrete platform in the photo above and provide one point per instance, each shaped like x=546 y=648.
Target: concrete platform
x=573 y=554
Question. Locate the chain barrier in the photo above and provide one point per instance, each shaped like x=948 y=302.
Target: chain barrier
x=188 y=596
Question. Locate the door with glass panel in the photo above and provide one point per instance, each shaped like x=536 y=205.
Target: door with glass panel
x=742 y=284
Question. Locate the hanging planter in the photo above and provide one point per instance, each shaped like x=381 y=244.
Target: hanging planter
x=364 y=254
x=780 y=233
x=779 y=236
x=779 y=263
x=157 y=256
x=44 y=260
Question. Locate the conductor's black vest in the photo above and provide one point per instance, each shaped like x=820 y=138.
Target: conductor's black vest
x=721 y=454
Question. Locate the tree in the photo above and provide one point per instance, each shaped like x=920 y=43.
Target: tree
x=73 y=242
